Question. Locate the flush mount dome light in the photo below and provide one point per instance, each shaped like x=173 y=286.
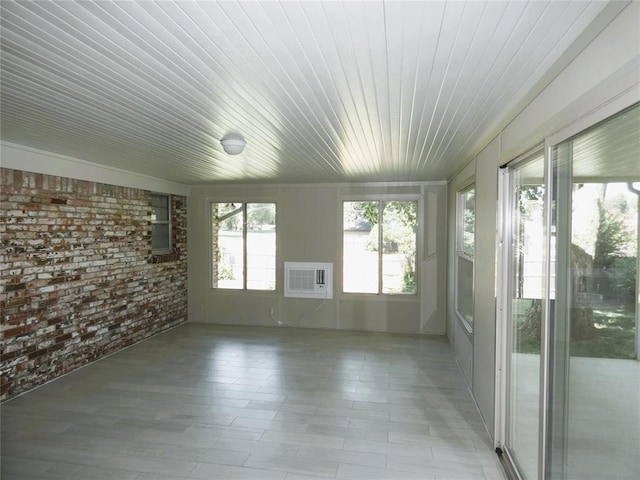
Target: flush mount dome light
x=233 y=143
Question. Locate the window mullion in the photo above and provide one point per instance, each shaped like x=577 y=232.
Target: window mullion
x=380 y=247
x=244 y=246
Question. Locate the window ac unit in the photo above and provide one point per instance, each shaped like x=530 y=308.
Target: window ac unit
x=308 y=280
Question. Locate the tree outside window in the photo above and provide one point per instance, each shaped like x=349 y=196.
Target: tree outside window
x=244 y=245
x=379 y=246
x=465 y=253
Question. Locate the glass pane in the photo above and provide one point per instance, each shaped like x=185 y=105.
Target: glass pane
x=399 y=247
x=160 y=236
x=468 y=207
x=601 y=383
x=159 y=208
x=603 y=264
x=526 y=287
x=360 y=242
x=464 y=291
x=261 y=246
x=228 y=252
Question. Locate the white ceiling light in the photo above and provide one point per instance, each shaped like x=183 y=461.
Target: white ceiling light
x=233 y=143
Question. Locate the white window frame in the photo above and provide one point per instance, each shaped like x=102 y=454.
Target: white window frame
x=464 y=256
x=154 y=222
x=244 y=204
x=381 y=198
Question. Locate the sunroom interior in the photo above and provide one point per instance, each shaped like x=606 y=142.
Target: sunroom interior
x=463 y=174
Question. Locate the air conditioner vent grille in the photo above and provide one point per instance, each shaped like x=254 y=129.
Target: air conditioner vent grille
x=308 y=280
x=302 y=279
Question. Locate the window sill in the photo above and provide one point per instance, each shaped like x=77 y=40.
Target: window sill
x=465 y=324
x=164 y=257
x=380 y=297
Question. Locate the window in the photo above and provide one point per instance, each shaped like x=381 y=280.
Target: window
x=379 y=246
x=244 y=245
x=160 y=224
x=466 y=229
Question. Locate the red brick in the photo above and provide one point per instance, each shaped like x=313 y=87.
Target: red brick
x=81 y=250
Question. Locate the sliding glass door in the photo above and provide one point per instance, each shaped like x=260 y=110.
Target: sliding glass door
x=569 y=297
x=594 y=405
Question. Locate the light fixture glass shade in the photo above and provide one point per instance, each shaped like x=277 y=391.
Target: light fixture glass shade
x=233 y=143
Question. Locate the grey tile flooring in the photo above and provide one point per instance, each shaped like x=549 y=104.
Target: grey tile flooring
x=221 y=402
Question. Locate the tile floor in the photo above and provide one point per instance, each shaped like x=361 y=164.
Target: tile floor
x=219 y=402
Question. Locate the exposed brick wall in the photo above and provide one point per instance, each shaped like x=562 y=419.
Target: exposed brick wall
x=77 y=278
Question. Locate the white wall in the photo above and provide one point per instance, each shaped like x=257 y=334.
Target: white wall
x=309 y=219
x=604 y=77
x=484 y=280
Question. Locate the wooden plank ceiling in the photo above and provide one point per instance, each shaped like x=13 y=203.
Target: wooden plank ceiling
x=322 y=91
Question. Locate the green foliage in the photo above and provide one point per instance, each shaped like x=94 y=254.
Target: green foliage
x=624 y=272
x=608 y=343
x=409 y=280
x=229 y=216
x=368 y=211
x=469 y=222
x=614 y=338
x=530 y=193
x=260 y=214
x=612 y=271
x=399 y=222
x=405 y=212
x=610 y=238
x=225 y=270
x=616 y=271
x=399 y=231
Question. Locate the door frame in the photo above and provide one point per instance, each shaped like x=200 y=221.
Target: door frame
x=503 y=331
